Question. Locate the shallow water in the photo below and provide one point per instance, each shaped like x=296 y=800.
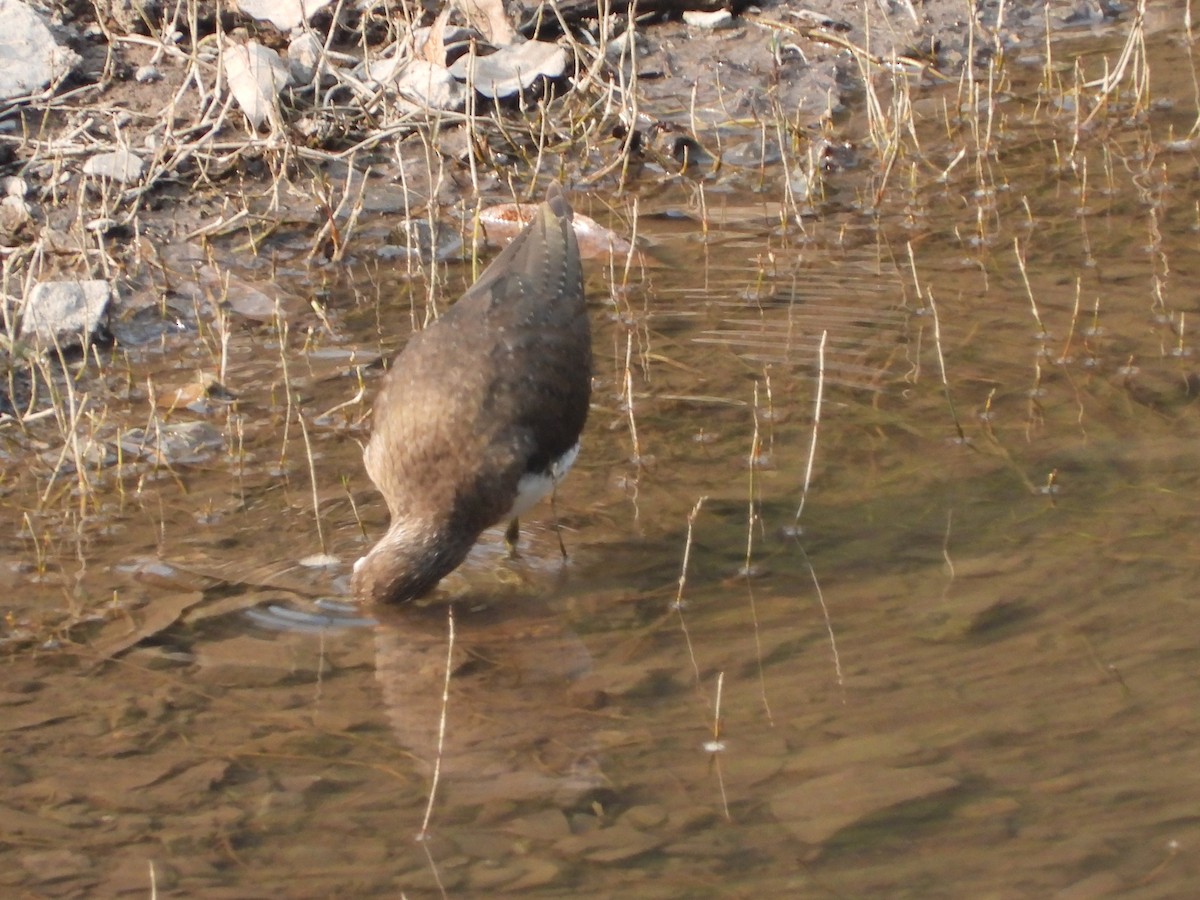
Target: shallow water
x=966 y=667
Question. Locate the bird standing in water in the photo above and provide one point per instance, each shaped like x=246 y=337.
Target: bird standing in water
x=481 y=413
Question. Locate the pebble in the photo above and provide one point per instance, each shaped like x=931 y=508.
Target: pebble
x=816 y=810
x=710 y=21
x=547 y=825
x=538 y=873
x=626 y=44
x=55 y=865
x=102 y=225
x=118 y=165
x=615 y=844
x=15 y=214
x=647 y=816
x=178 y=443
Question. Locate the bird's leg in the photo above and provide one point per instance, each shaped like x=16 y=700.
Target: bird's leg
x=557 y=527
x=512 y=534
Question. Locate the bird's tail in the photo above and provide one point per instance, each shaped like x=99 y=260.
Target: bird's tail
x=557 y=201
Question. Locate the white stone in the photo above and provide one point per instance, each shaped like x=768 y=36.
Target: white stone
x=381 y=70
x=283 y=14
x=511 y=69
x=721 y=18
x=431 y=86
x=29 y=57
x=256 y=76
x=102 y=225
x=117 y=165
x=304 y=56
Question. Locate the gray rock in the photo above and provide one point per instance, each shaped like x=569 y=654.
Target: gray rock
x=627 y=45
x=64 y=313
x=29 y=57
x=304 y=56
x=117 y=165
x=90 y=455
x=815 y=811
x=179 y=443
x=16 y=217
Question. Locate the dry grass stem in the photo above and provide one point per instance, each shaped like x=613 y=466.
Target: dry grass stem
x=441 y=741
x=753 y=520
x=754 y=460
x=828 y=620
x=941 y=358
x=1133 y=63
x=312 y=475
x=716 y=746
x=950 y=574
x=678 y=605
x=812 y=443
x=628 y=398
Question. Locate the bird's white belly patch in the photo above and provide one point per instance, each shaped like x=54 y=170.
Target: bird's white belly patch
x=533 y=487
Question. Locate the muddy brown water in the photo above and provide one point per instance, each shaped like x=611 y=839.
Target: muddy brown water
x=969 y=668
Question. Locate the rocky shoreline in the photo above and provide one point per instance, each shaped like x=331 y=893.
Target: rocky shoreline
x=151 y=128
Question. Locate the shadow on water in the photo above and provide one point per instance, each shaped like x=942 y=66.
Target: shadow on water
x=967 y=666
